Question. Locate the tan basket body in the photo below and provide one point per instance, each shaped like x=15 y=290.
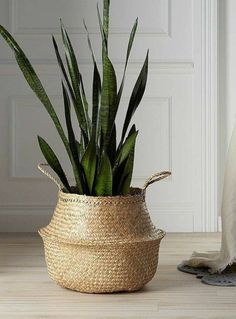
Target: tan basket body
x=102 y=244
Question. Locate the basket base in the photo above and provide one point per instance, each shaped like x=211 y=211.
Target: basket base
x=101 y=291
x=102 y=269
x=107 y=268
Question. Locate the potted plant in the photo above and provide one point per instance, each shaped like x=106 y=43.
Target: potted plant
x=100 y=238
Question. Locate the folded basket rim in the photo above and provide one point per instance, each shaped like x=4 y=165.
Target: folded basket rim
x=157 y=235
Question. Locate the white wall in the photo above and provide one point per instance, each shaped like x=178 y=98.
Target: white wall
x=177 y=119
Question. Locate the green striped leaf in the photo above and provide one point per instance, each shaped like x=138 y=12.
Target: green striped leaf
x=62 y=67
x=127 y=147
x=96 y=102
x=89 y=41
x=125 y=176
x=89 y=164
x=109 y=83
x=116 y=106
x=53 y=162
x=85 y=104
x=75 y=80
x=136 y=96
x=96 y=91
x=104 y=181
x=106 y=9
x=124 y=172
x=33 y=80
x=111 y=148
x=103 y=34
x=72 y=141
x=108 y=98
x=131 y=40
x=70 y=131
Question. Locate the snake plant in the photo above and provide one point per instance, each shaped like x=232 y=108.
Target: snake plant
x=101 y=166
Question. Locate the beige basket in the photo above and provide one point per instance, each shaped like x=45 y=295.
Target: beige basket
x=102 y=244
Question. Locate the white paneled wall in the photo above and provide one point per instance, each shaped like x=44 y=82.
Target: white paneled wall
x=177 y=119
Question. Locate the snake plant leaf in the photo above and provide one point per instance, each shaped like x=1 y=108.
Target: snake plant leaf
x=75 y=80
x=106 y=9
x=111 y=149
x=33 y=80
x=78 y=171
x=104 y=26
x=85 y=104
x=109 y=83
x=136 y=96
x=123 y=153
x=97 y=87
x=89 y=163
x=103 y=34
x=126 y=182
x=126 y=177
x=70 y=59
x=80 y=149
x=104 y=178
x=108 y=98
x=89 y=41
x=53 y=162
x=123 y=174
x=70 y=131
x=62 y=67
x=131 y=40
x=96 y=90
x=127 y=147
x=60 y=62
x=84 y=99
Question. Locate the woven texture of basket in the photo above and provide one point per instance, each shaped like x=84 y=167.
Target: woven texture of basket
x=102 y=244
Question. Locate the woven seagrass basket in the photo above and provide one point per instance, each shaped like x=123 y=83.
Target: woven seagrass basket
x=102 y=244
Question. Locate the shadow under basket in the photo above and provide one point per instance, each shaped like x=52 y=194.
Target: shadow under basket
x=102 y=244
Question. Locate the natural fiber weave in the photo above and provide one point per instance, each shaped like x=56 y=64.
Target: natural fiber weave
x=101 y=244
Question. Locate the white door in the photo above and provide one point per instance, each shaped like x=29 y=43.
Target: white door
x=177 y=119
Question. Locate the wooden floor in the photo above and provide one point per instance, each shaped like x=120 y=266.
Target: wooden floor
x=26 y=292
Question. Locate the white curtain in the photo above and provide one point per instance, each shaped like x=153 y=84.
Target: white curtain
x=218 y=261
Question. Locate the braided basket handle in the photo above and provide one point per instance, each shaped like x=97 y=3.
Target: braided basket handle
x=41 y=168
x=155 y=177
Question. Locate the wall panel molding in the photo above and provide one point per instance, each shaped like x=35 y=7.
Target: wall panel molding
x=160 y=31
x=50 y=67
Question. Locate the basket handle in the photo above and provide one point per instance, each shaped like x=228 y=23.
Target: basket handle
x=41 y=168
x=154 y=178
